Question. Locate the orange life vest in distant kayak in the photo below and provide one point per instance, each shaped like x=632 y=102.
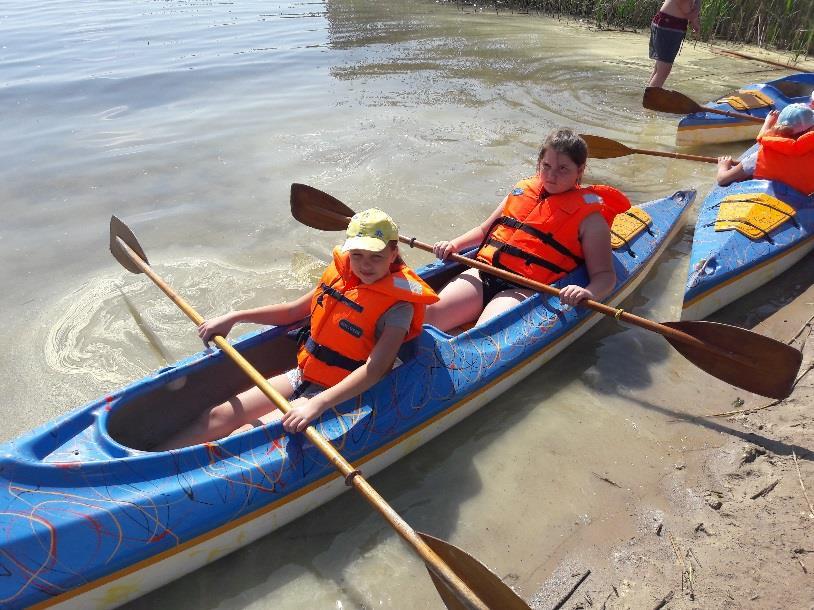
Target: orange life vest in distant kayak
x=344 y=312
x=538 y=234
x=788 y=160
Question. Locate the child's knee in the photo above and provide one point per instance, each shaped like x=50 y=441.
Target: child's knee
x=220 y=417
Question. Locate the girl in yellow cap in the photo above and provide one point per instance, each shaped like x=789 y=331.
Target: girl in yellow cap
x=367 y=303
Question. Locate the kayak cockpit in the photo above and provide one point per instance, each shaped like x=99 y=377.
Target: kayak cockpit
x=151 y=411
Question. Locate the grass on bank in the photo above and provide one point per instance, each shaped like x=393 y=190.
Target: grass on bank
x=782 y=24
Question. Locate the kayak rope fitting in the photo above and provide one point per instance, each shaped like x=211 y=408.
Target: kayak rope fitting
x=618 y=313
x=350 y=477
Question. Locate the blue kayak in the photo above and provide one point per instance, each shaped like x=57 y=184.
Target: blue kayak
x=756 y=100
x=746 y=234
x=90 y=517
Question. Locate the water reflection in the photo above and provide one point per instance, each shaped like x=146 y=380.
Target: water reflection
x=190 y=120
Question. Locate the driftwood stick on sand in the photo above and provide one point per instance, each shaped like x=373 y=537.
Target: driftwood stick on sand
x=606 y=479
x=561 y=603
x=663 y=601
x=765 y=491
x=805 y=493
x=679 y=558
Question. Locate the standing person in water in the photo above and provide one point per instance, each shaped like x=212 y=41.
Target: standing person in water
x=667 y=32
x=543 y=229
x=786 y=151
x=367 y=303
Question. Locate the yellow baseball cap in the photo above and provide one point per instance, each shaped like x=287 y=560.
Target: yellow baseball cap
x=370 y=230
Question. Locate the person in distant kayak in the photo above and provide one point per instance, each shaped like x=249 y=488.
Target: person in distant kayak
x=667 y=32
x=367 y=303
x=786 y=151
x=543 y=229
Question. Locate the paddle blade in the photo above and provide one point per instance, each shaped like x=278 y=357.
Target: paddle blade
x=481 y=580
x=120 y=230
x=770 y=366
x=664 y=100
x=604 y=148
x=317 y=209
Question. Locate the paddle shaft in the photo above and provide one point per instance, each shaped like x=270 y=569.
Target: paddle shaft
x=672 y=155
x=619 y=314
x=600 y=147
x=731 y=114
x=675 y=102
x=765 y=61
x=352 y=476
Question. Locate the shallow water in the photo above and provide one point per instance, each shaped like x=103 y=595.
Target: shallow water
x=190 y=119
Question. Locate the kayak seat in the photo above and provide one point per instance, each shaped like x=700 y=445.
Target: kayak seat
x=754 y=215
x=792 y=89
x=747 y=99
x=627 y=226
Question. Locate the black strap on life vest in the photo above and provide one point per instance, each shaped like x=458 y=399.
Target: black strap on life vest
x=547 y=238
x=331 y=357
x=333 y=292
x=501 y=247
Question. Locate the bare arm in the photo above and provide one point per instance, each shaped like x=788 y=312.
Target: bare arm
x=768 y=123
x=730 y=171
x=595 y=237
x=278 y=315
x=378 y=363
x=473 y=237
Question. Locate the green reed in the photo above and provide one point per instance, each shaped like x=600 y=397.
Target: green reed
x=781 y=24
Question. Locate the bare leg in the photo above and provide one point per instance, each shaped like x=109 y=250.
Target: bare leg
x=218 y=421
x=503 y=301
x=460 y=303
x=269 y=417
x=660 y=73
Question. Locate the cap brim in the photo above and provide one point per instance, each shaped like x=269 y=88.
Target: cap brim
x=371 y=244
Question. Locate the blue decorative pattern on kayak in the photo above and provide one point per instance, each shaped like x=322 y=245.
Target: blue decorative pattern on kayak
x=80 y=510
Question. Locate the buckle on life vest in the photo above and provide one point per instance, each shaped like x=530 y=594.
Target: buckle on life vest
x=747 y=99
x=628 y=225
x=324 y=290
x=331 y=357
x=754 y=215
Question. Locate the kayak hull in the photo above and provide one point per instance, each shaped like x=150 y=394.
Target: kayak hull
x=90 y=518
x=703 y=128
x=726 y=265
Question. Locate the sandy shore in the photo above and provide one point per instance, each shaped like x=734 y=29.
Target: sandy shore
x=732 y=526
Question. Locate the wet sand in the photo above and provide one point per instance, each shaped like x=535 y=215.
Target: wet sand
x=732 y=525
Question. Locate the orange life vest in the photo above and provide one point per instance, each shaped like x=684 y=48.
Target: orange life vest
x=788 y=160
x=538 y=234
x=344 y=312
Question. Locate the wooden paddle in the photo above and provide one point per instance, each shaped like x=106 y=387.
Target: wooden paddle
x=665 y=100
x=462 y=581
x=740 y=357
x=605 y=148
x=753 y=58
